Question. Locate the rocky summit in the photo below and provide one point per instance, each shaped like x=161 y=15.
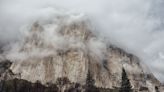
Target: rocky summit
x=65 y=55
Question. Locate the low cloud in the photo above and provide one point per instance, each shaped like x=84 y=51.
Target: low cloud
x=134 y=25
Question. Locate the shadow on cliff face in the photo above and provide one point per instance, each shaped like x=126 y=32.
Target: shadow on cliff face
x=19 y=85
x=62 y=85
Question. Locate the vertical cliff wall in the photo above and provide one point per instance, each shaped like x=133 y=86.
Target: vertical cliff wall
x=69 y=48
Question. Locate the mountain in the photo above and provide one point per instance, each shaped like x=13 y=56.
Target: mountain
x=58 y=56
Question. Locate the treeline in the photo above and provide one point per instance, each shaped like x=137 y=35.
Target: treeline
x=63 y=85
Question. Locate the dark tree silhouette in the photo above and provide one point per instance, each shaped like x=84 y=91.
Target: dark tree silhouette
x=156 y=89
x=89 y=81
x=90 y=87
x=125 y=84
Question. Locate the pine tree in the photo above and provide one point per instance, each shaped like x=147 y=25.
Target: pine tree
x=90 y=87
x=156 y=89
x=89 y=81
x=125 y=84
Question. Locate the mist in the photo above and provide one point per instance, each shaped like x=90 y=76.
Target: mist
x=133 y=25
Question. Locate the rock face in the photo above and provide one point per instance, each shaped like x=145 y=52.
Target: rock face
x=69 y=49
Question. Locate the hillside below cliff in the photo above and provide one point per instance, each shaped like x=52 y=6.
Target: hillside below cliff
x=57 y=56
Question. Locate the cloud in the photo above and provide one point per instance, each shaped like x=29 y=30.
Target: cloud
x=134 y=25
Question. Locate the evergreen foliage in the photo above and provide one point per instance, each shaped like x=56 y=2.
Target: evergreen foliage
x=125 y=84
x=90 y=87
x=156 y=89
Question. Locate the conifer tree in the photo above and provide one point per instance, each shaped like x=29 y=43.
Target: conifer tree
x=90 y=87
x=89 y=81
x=125 y=84
x=156 y=89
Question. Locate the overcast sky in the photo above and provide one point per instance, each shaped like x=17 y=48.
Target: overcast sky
x=134 y=25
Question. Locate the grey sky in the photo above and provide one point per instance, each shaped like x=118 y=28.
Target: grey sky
x=134 y=25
